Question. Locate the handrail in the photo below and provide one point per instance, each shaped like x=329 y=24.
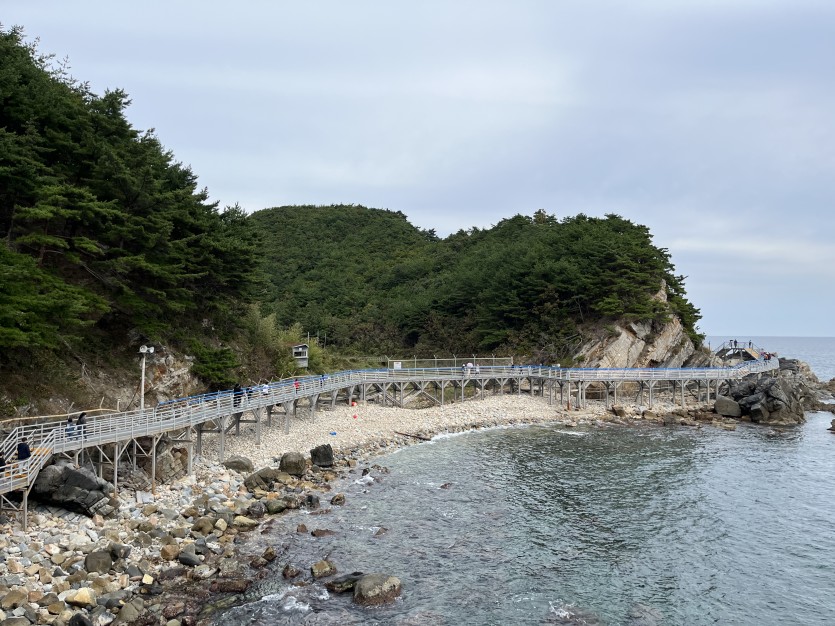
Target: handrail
x=52 y=437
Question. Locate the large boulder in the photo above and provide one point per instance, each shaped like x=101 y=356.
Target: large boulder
x=374 y=589
x=322 y=455
x=74 y=489
x=293 y=463
x=727 y=407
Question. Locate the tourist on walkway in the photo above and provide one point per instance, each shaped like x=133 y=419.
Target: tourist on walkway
x=69 y=429
x=2 y=462
x=23 y=451
x=237 y=392
x=81 y=425
x=296 y=385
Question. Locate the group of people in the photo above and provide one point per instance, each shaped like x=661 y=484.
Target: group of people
x=76 y=430
x=71 y=431
x=467 y=368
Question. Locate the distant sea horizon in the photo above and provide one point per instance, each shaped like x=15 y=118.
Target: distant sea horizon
x=818 y=352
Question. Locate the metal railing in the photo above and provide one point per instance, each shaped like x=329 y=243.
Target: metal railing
x=54 y=437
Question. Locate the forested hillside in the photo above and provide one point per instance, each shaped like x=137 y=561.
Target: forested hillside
x=108 y=243
x=368 y=280
x=103 y=230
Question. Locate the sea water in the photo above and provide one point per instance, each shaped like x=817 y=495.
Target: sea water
x=595 y=525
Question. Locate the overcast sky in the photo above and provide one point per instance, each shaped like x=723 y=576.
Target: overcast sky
x=710 y=121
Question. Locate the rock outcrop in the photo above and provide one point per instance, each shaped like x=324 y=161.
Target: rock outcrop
x=641 y=344
x=74 y=489
x=775 y=401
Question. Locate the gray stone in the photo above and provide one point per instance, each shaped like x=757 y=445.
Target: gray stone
x=344 y=583
x=293 y=463
x=239 y=464
x=264 y=479
x=189 y=558
x=727 y=407
x=99 y=561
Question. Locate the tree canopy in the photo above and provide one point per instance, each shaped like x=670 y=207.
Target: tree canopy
x=370 y=281
x=101 y=225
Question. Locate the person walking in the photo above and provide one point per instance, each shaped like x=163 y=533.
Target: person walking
x=23 y=451
x=237 y=392
x=69 y=429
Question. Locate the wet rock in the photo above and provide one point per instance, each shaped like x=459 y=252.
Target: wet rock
x=231 y=586
x=339 y=498
x=343 y=583
x=322 y=569
x=301 y=529
x=322 y=455
x=269 y=554
x=293 y=463
x=239 y=464
x=322 y=532
x=256 y=510
x=276 y=506
x=375 y=589
x=311 y=501
x=290 y=571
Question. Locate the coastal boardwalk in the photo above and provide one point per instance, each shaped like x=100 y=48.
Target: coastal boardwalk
x=112 y=438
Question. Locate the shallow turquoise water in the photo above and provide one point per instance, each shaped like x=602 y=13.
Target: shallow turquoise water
x=608 y=525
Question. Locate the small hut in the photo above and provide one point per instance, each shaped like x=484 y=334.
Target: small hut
x=300 y=354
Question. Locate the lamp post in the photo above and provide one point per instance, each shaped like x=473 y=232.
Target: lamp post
x=143 y=350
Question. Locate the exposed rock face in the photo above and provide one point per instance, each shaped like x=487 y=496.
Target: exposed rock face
x=640 y=344
x=172 y=462
x=75 y=489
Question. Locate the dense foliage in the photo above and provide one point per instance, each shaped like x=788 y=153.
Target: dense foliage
x=366 y=279
x=101 y=227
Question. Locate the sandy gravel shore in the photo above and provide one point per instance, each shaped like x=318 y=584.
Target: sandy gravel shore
x=349 y=428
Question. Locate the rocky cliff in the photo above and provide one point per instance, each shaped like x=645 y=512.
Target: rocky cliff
x=640 y=344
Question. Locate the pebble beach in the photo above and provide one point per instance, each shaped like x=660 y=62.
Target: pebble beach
x=71 y=570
